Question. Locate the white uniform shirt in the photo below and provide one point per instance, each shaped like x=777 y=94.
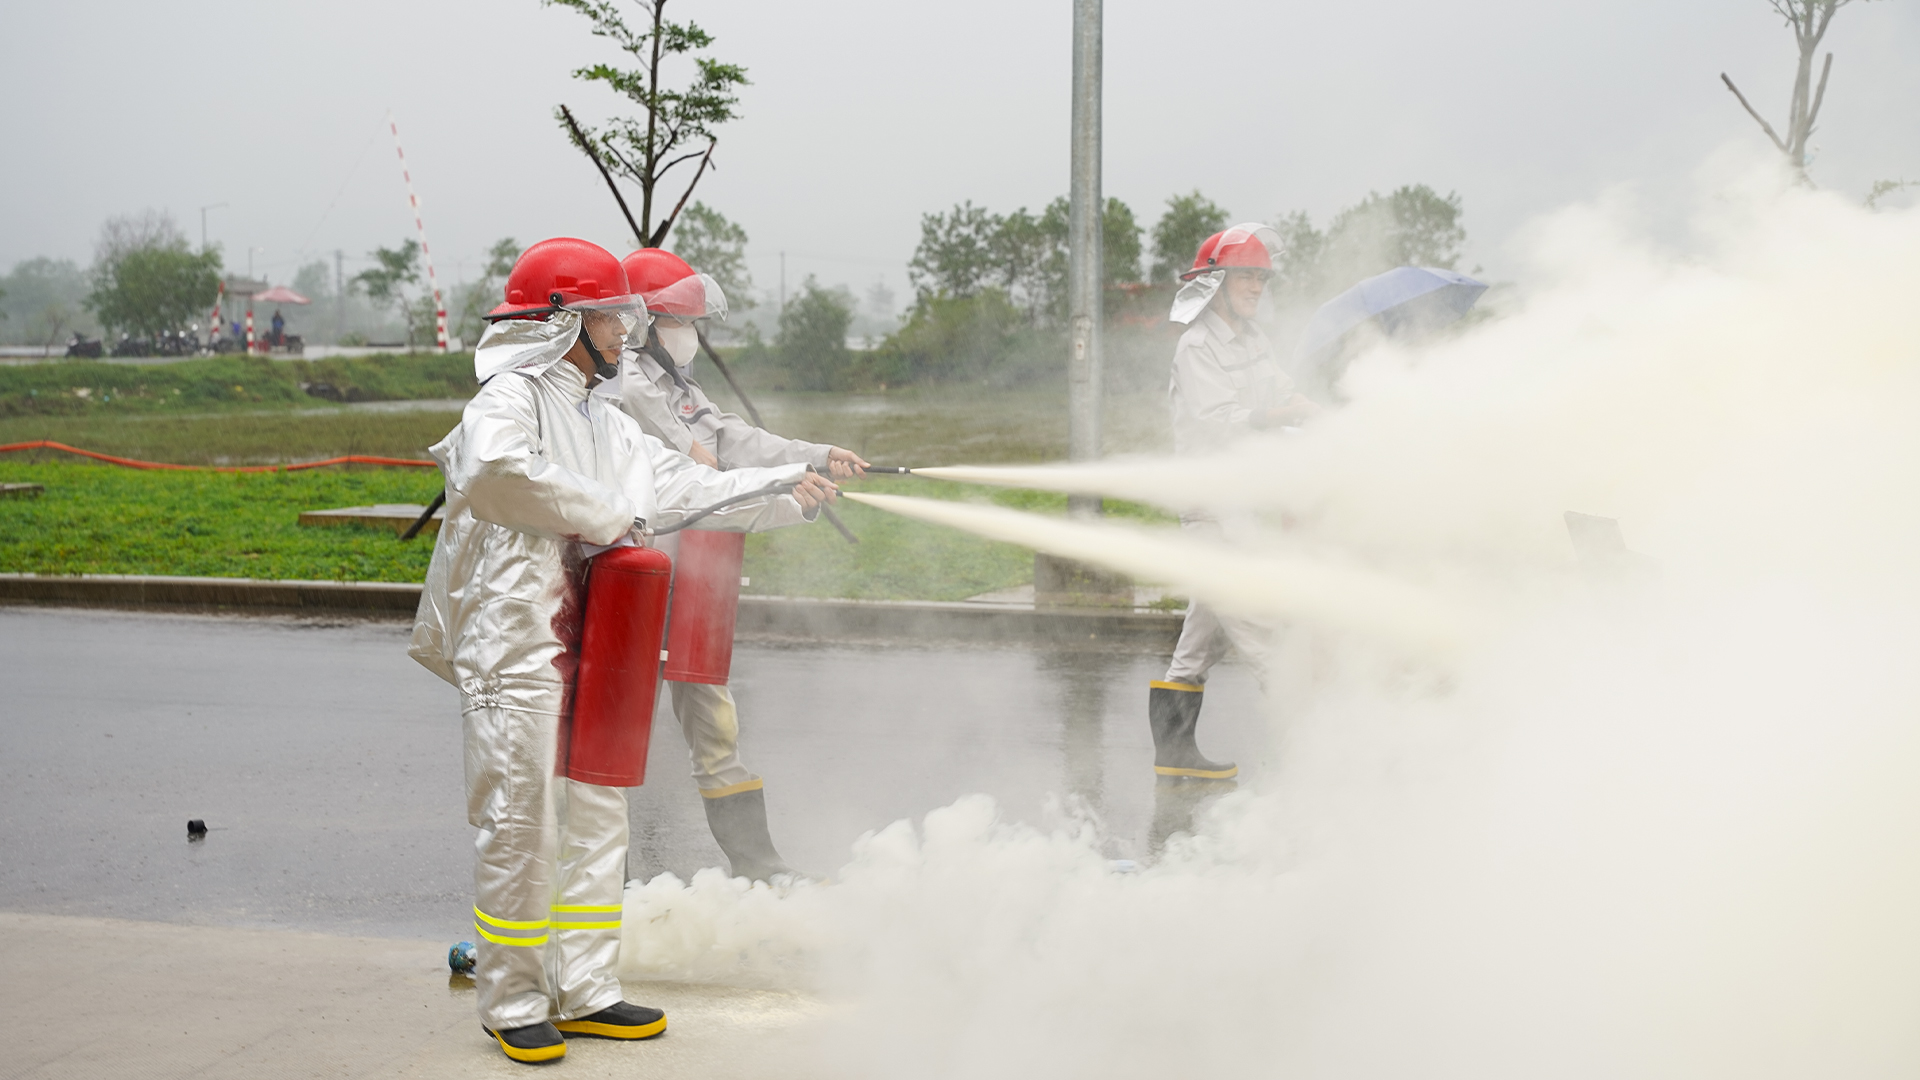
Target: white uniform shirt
x=679 y=413
x=537 y=468
x=1221 y=379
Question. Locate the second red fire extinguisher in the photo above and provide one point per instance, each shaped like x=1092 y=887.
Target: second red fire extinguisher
x=706 y=602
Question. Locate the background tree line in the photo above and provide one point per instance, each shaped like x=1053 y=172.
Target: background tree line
x=990 y=291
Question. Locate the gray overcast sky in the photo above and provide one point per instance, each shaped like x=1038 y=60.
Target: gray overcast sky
x=865 y=114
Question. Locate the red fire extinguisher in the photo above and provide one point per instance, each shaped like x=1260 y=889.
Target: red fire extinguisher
x=706 y=603
x=619 y=671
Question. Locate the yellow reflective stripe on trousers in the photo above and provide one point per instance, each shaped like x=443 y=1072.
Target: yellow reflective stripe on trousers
x=509 y=924
x=587 y=909
x=500 y=940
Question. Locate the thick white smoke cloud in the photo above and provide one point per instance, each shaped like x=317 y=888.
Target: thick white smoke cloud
x=1658 y=828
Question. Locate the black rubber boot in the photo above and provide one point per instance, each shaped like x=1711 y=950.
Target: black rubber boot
x=1173 y=709
x=621 y=1020
x=739 y=823
x=535 y=1044
x=1176 y=801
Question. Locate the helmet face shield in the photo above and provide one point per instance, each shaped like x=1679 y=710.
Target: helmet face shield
x=696 y=296
x=627 y=307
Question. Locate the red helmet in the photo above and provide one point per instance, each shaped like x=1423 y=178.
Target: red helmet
x=564 y=273
x=671 y=287
x=1248 y=246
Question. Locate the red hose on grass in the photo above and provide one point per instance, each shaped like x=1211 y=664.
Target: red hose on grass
x=132 y=463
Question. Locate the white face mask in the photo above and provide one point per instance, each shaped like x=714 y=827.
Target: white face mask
x=681 y=342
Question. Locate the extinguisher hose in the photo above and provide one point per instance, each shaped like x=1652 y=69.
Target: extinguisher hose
x=770 y=489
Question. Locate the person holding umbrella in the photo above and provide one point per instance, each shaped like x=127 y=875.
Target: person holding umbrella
x=1226 y=384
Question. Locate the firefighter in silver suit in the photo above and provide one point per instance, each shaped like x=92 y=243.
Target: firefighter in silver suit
x=540 y=477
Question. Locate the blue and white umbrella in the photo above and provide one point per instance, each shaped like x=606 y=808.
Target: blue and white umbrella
x=1404 y=300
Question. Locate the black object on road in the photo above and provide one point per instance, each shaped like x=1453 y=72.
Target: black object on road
x=196 y=830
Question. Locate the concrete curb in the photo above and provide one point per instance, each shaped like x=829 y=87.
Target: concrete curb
x=779 y=617
x=204 y=593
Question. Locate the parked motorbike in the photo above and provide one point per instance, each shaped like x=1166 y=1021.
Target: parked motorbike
x=176 y=343
x=79 y=347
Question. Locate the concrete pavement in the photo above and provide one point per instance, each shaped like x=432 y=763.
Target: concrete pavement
x=112 y=998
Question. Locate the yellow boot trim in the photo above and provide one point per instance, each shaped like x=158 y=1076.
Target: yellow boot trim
x=754 y=784
x=534 y=1054
x=1227 y=773
x=1161 y=684
x=612 y=1031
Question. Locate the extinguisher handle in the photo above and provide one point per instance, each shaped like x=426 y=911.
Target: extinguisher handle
x=771 y=489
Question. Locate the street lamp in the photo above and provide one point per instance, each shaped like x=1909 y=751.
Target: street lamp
x=203 y=221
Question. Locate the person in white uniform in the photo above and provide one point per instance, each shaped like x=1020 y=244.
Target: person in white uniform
x=657 y=389
x=540 y=477
x=1226 y=384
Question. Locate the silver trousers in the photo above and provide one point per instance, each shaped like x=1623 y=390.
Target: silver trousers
x=549 y=866
x=712 y=726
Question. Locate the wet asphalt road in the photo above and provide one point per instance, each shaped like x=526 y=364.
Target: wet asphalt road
x=327 y=764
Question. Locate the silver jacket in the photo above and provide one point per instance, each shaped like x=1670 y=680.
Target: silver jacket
x=536 y=471
x=678 y=412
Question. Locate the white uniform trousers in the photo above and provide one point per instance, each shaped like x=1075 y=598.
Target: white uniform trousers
x=550 y=865
x=1206 y=634
x=712 y=727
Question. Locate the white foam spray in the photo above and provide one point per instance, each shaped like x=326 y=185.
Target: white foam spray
x=1669 y=830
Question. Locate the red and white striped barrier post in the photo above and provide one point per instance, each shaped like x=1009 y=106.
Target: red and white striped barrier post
x=249 y=322
x=426 y=253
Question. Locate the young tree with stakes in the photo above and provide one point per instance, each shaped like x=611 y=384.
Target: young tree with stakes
x=676 y=121
x=387 y=283
x=1809 y=19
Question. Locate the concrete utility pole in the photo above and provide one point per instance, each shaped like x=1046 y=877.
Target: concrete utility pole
x=203 y=221
x=1084 y=259
x=339 y=295
x=1059 y=582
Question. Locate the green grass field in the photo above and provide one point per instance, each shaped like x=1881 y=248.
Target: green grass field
x=103 y=519
x=106 y=519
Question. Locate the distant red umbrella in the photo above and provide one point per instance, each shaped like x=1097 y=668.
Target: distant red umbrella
x=280 y=294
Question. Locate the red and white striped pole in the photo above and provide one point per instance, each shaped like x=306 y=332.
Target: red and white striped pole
x=249 y=322
x=439 y=306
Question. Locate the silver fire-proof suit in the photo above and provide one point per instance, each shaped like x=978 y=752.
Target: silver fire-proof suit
x=670 y=405
x=540 y=475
